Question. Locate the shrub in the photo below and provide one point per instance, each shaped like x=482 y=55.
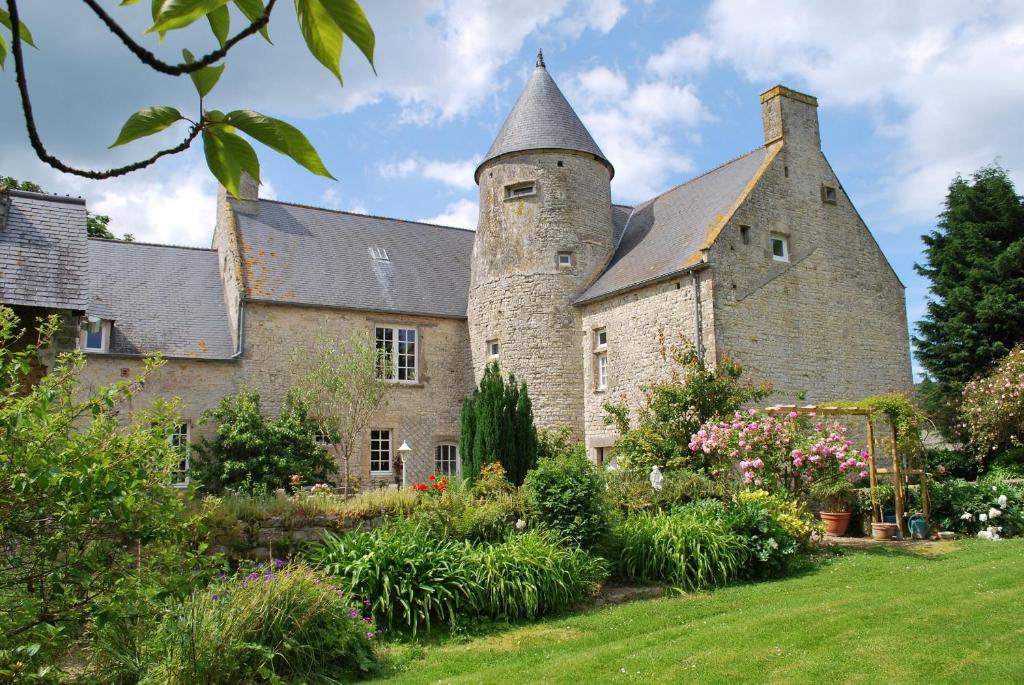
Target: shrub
x=993 y=406
x=253 y=453
x=566 y=494
x=970 y=508
x=629 y=491
x=774 y=531
x=943 y=463
x=410 y=577
x=273 y=625
x=676 y=409
x=531 y=575
x=460 y=515
x=688 y=550
x=492 y=482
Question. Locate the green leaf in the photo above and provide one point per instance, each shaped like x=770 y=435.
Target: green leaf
x=220 y=23
x=349 y=17
x=253 y=10
x=174 y=14
x=26 y=35
x=206 y=78
x=146 y=122
x=227 y=155
x=3 y=52
x=323 y=36
x=279 y=136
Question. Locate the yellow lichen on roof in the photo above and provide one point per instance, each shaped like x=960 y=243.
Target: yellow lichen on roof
x=715 y=227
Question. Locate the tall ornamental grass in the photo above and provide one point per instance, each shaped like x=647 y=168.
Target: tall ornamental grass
x=275 y=625
x=689 y=551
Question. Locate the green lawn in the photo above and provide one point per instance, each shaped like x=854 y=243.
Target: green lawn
x=955 y=614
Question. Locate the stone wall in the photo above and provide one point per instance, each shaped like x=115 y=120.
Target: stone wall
x=424 y=414
x=519 y=295
x=643 y=326
x=831 y=321
x=280 y=537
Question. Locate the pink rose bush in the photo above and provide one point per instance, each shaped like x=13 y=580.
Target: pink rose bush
x=780 y=452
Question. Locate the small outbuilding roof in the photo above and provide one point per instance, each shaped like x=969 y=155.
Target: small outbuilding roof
x=42 y=251
x=542 y=119
x=162 y=298
x=306 y=255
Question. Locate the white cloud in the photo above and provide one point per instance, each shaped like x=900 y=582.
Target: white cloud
x=636 y=127
x=940 y=78
x=458 y=174
x=461 y=214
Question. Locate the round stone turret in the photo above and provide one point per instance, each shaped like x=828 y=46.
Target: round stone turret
x=545 y=233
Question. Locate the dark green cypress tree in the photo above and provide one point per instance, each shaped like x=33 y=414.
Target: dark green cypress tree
x=497 y=425
x=975 y=262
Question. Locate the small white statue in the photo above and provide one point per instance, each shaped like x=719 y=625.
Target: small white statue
x=657 y=479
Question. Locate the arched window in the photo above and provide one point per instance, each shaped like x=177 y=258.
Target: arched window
x=446 y=459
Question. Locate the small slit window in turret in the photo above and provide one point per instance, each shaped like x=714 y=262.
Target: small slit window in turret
x=828 y=194
x=517 y=190
x=564 y=260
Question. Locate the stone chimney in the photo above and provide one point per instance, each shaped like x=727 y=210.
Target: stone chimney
x=791 y=117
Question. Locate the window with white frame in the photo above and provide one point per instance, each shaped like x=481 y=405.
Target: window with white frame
x=95 y=335
x=446 y=459
x=520 y=190
x=564 y=260
x=601 y=358
x=380 y=452
x=397 y=355
x=181 y=443
x=322 y=439
x=780 y=247
x=493 y=349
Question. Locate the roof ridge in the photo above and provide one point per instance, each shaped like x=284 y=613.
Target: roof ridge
x=145 y=244
x=369 y=216
x=32 y=195
x=700 y=176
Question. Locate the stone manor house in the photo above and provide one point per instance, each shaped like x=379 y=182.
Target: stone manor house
x=763 y=258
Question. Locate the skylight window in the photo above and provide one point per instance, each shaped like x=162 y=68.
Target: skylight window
x=380 y=254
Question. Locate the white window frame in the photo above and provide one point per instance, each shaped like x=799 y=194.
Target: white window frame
x=175 y=441
x=398 y=361
x=322 y=439
x=104 y=334
x=601 y=359
x=379 y=253
x=452 y=458
x=567 y=264
x=515 y=191
x=493 y=349
x=383 y=438
x=784 y=240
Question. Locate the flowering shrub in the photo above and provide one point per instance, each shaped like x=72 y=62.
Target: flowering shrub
x=492 y=481
x=433 y=487
x=992 y=508
x=993 y=406
x=279 y=623
x=774 y=530
x=779 y=453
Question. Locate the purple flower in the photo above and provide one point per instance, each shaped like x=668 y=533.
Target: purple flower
x=369 y=635
x=354 y=613
x=278 y=563
x=215 y=597
x=367 y=620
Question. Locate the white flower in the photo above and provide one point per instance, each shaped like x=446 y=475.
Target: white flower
x=520 y=524
x=993 y=488
x=983 y=517
x=994 y=513
x=966 y=516
x=1002 y=501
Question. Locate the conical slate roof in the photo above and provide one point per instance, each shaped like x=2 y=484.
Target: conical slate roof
x=542 y=119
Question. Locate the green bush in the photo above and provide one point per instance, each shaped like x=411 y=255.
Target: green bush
x=411 y=577
x=968 y=507
x=566 y=494
x=273 y=625
x=460 y=514
x=629 y=491
x=941 y=463
x=253 y=453
x=774 y=531
x=689 y=550
x=531 y=575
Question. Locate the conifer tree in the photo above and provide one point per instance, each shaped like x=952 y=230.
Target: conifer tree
x=497 y=425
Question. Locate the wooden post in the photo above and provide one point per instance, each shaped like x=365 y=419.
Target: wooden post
x=926 y=502
x=897 y=476
x=876 y=514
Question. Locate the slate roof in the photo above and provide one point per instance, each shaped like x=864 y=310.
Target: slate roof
x=542 y=119
x=663 y=236
x=43 y=251
x=306 y=255
x=161 y=297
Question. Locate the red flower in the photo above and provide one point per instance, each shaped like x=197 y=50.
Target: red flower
x=431 y=477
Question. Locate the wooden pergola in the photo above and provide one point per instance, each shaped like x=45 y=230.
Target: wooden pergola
x=897 y=471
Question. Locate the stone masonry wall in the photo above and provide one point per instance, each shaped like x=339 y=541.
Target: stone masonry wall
x=643 y=326
x=831 y=322
x=518 y=293
x=424 y=414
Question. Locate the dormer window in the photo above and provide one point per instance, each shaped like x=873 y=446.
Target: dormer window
x=380 y=254
x=828 y=194
x=517 y=190
x=95 y=334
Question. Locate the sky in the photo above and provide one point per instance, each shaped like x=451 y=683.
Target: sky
x=910 y=94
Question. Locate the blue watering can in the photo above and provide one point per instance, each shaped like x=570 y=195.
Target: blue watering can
x=919 y=527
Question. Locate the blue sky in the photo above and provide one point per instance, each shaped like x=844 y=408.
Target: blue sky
x=910 y=94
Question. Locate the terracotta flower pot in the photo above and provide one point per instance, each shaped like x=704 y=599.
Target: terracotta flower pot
x=836 y=522
x=883 y=531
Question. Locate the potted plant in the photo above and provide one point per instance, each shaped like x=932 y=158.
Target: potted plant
x=835 y=496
